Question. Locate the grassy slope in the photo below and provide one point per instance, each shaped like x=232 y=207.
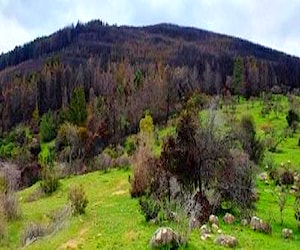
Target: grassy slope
x=288 y=150
x=113 y=220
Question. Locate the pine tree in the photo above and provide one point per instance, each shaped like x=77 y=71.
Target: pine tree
x=47 y=127
x=238 y=75
x=77 y=107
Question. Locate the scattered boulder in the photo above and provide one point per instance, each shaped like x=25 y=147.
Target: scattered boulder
x=214 y=228
x=166 y=236
x=199 y=208
x=258 y=224
x=226 y=240
x=244 y=222
x=255 y=223
x=228 y=218
x=205 y=236
x=213 y=219
x=204 y=229
x=263 y=176
x=287 y=233
x=265 y=227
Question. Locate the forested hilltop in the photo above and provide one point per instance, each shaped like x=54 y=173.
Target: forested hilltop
x=133 y=69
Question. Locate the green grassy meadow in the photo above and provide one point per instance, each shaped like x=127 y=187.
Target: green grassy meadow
x=113 y=219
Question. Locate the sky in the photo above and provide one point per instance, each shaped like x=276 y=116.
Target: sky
x=272 y=23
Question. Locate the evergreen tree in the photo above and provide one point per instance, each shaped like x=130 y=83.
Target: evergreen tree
x=77 y=108
x=238 y=75
x=47 y=127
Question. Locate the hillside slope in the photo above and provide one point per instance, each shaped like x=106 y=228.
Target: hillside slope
x=105 y=59
x=113 y=219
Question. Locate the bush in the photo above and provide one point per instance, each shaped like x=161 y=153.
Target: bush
x=46 y=156
x=129 y=145
x=292 y=118
x=11 y=206
x=3 y=232
x=47 y=127
x=142 y=170
x=49 y=182
x=77 y=113
x=7 y=150
x=103 y=162
x=122 y=162
x=143 y=164
x=146 y=125
x=32 y=232
x=58 y=218
x=78 y=199
x=149 y=208
x=9 y=178
x=70 y=141
x=9 y=203
x=286 y=177
x=250 y=143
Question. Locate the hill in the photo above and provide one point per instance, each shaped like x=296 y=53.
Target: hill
x=103 y=58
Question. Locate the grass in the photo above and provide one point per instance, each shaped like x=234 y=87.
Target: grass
x=288 y=149
x=113 y=219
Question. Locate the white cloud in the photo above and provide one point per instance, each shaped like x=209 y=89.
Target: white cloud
x=13 y=35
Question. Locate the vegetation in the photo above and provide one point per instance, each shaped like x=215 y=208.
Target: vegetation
x=188 y=132
x=47 y=127
x=78 y=199
x=49 y=182
x=77 y=109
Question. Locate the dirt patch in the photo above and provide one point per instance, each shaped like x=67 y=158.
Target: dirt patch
x=131 y=235
x=71 y=244
x=120 y=192
x=75 y=243
x=82 y=232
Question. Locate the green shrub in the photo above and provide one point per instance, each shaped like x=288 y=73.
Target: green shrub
x=111 y=152
x=78 y=199
x=70 y=141
x=292 y=118
x=46 y=156
x=149 y=208
x=49 y=182
x=47 y=127
x=7 y=150
x=130 y=145
x=77 y=109
x=146 y=125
